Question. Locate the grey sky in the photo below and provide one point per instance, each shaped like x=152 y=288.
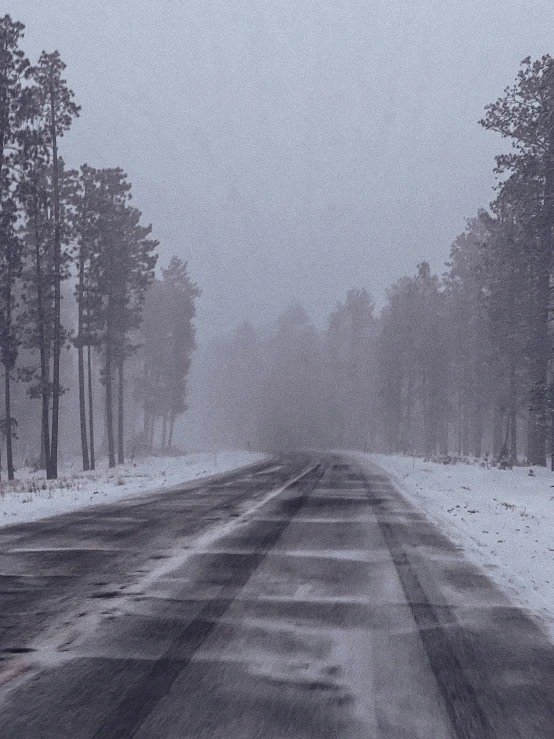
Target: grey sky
x=290 y=149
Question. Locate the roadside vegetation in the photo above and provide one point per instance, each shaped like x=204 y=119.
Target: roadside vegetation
x=454 y=365
x=77 y=271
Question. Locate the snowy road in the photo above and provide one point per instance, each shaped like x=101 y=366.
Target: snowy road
x=303 y=597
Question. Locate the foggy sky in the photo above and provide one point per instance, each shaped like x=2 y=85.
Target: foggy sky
x=291 y=149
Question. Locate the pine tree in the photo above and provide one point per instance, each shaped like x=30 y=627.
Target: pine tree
x=168 y=343
x=414 y=365
x=123 y=269
x=85 y=214
x=511 y=282
x=151 y=387
x=467 y=292
x=181 y=294
x=38 y=319
x=294 y=415
x=525 y=115
x=56 y=108
x=350 y=346
x=14 y=67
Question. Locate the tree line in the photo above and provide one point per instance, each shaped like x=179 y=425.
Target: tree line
x=455 y=364
x=291 y=385
x=467 y=357
x=77 y=269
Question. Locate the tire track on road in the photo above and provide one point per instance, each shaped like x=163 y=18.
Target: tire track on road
x=129 y=714
x=460 y=698
x=45 y=606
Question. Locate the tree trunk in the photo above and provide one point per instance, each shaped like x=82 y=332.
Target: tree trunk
x=120 y=401
x=537 y=418
x=443 y=437
x=52 y=466
x=109 y=406
x=428 y=419
x=507 y=436
x=90 y=407
x=552 y=440
x=460 y=422
x=2 y=137
x=44 y=359
x=171 y=427
x=42 y=459
x=9 y=450
x=45 y=421
x=513 y=412
x=145 y=403
x=539 y=373
x=81 y=360
x=513 y=434
x=8 y=361
x=466 y=427
x=410 y=442
x=529 y=420
x=145 y=423
x=164 y=431
x=497 y=432
x=541 y=340
x=7 y=358
x=82 y=408
x=146 y=428
x=478 y=427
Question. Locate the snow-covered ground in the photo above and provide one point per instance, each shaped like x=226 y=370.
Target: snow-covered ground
x=31 y=497
x=504 y=520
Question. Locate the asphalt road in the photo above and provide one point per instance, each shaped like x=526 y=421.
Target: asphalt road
x=302 y=597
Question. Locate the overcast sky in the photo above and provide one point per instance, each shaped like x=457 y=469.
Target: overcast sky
x=291 y=149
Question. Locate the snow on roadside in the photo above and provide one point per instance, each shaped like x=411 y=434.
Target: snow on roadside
x=504 y=520
x=31 y=497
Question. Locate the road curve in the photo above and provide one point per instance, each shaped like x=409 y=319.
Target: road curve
x=302 y=597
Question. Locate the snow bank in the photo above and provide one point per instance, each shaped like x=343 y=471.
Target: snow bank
x=31 y=497
x=504 y=520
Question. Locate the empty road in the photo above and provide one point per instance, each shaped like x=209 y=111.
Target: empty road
x=301 y=597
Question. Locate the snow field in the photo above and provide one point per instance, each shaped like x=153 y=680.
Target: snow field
x=31 y=496
x=503 y=519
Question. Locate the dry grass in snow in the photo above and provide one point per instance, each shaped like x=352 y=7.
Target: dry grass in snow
x=31 y=496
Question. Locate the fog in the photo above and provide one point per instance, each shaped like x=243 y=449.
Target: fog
x=296 y=160
x=291 y=150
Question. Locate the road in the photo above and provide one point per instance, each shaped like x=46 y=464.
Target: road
x=302 y=597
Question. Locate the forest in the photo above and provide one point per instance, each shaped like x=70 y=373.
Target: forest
x=454 y=365
x=96 y=347
x=93 y=345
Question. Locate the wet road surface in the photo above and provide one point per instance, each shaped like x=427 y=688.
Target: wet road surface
x=302 y=597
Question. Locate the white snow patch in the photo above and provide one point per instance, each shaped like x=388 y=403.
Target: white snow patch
x=31 y=496
x=503 y=519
